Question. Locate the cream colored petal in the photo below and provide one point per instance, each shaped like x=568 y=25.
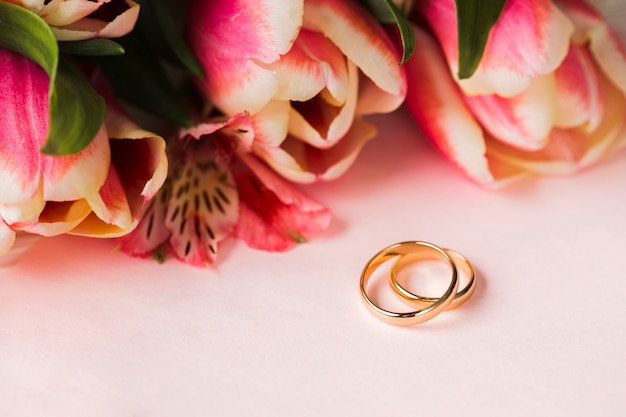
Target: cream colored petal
x=234 y=40
x=303 y=163
x=139 y=158
x=110 y=205
x=603 y=42
x=75 y=176
x=59 y=217
x=92 y=27
x=438 y=107
x=62 y=13
x=27 y=211
x=361 y=39
x=524 y=121
x=570 y=150
x=321 y=124
x=271 y=123
x=531 y=38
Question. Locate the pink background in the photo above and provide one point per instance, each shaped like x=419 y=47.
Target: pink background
x=85 y=331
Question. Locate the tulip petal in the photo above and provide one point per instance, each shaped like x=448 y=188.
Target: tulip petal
x=523 y=121
x=26 y=212
x=35 y=6
x=59 y=217
x=23 y=125
x=531 y=38
x=603 y=42
x=110 y=205
x=63 y=12
x=273 y=216
x=361 y=39
x=233 y=40
x=436 y=104
x=319 y=122
x=139 y=157
x=137 y=171
x=111 y=20
x=312 y=64
x=302 y=163
x=569 y=150
x=271 y=123
x=579 y=93
x=74 y=176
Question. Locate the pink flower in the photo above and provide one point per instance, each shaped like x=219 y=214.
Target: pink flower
x=217 y=189
x=96 y=192
x=305 y=70
x=548 y=96
x=83 y=19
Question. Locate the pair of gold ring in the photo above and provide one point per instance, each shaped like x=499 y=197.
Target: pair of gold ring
x=427 y=307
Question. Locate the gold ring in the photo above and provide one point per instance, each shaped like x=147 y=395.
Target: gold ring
x=428 y=251
x=416 y=300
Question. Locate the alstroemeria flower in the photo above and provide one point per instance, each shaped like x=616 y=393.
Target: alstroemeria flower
x=84 y=19
x=548 y=96
x=99 y=191
x=217 y=189
x=307 y=70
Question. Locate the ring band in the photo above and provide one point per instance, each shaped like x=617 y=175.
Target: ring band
x=416 y=300
x=427 y=251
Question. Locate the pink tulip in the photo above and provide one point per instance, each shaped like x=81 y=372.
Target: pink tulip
x=217 y=189
x=548 y=96
x=84 y=19
x=99 y=191
x=307 y=70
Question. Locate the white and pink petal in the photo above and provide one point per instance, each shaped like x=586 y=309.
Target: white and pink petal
x=58 y=217
x=603 y=42
x=234 y=41
x=579 y=91
x=321 y=123
x=24 y=90
x=570 y=150
x=78 y=175
x=438 y=107
x=531 y=38
x=139 y=158
x=313 y=63
x=525 y=120
x=117 y=21
x=300 y=162
x=63 y=12
x=361 y=39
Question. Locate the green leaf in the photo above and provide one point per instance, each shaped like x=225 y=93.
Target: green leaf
x=139 y=78
x=385 y=11
x=475 y=18
x=27 y=34
x=92 y=47
x=172 y=33
x=406 y=31
x=76 y=111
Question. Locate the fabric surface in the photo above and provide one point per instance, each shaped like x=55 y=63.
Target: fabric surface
x=86 y=331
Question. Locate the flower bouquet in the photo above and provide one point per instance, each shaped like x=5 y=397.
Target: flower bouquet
x=174 y=126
